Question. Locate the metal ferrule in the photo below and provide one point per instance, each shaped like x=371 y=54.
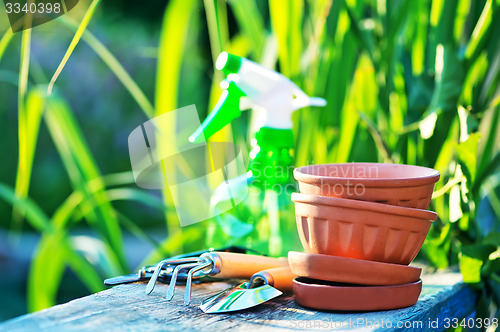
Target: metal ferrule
x=260 y=279
x=216 y=263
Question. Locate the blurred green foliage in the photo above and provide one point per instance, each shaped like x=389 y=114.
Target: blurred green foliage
x=413 y=82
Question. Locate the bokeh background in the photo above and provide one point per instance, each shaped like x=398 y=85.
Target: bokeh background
x=413 y=82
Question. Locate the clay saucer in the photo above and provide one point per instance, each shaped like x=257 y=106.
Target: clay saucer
x=324 y=295
x=393 y=184
x=350 y=270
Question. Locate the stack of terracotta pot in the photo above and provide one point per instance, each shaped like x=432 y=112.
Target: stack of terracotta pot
x=361 y=224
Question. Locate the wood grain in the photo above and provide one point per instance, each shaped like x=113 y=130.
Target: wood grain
x=127 y=307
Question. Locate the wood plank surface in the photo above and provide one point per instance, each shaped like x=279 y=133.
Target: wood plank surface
x=127 y=307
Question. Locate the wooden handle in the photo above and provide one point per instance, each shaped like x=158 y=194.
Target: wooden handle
x=231 y=265
x=278 y=277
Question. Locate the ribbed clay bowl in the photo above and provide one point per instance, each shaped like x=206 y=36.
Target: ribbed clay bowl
x=362 y=230
x=401 y=185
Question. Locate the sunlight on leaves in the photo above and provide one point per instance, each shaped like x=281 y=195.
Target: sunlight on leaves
x=76 y=39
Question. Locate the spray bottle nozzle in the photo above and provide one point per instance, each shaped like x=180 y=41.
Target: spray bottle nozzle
x=228 y=63
x=274 y=94
x=226 y=110
x=308 y=101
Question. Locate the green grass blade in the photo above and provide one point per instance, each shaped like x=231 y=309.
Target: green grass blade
x=474 y=80
x=487 y=147
x=399 y=15
x=33 y=213
x=85 y=271
x=349 y=120
x=420 y=39
x=344 y=52
x=216 y=13
x=118 y=179
x=17 y=214
x=491 y=134
x=467 y=156
x=117 y=69
x=251 y=24
x=218 y=31
x=71 y=208
x=29 y=123
x=23 y=82
x=286 y=22
x=280 y=16
x=446 y=25
x=46 y=271
x=325 y=21
x=130 y=194
x=377 y=136
x=463 y=9
x=480 y=32
x=492 y=78
x=295 y=37
x=436 y=11
x=174 y=31
x=64 y=211
x=76 y=39
x=47 y=265
x=52 y=255
x=82 y=169
x=5 y=41
x=127 y=194
x=358 y=33
x=121 y=73
x=317 y=45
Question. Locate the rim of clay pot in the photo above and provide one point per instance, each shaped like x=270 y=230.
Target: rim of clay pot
x=424 y=175
x=364 y=205
x=324 y=295
x=350 y=270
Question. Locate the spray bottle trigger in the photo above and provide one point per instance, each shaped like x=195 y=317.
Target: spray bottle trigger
x=226 y=110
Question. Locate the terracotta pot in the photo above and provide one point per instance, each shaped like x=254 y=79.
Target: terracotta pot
x=401 y=185
x=324 y=295
x=350 y=270
x=363 y=230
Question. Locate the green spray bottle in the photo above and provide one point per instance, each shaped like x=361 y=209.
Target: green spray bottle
x=265 y=220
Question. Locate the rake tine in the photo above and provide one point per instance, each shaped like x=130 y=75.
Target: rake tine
x=173 y=280
x=159 y=267
x=156 y=273
x=187 y=294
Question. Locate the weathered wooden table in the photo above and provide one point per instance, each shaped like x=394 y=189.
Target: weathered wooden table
x=127 y=307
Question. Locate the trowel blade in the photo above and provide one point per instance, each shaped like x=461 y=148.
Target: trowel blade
x=239 y=298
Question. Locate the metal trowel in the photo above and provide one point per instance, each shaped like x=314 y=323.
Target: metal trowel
x=263 y=286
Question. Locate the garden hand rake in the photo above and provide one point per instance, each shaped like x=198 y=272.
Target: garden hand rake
x=219 y=264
